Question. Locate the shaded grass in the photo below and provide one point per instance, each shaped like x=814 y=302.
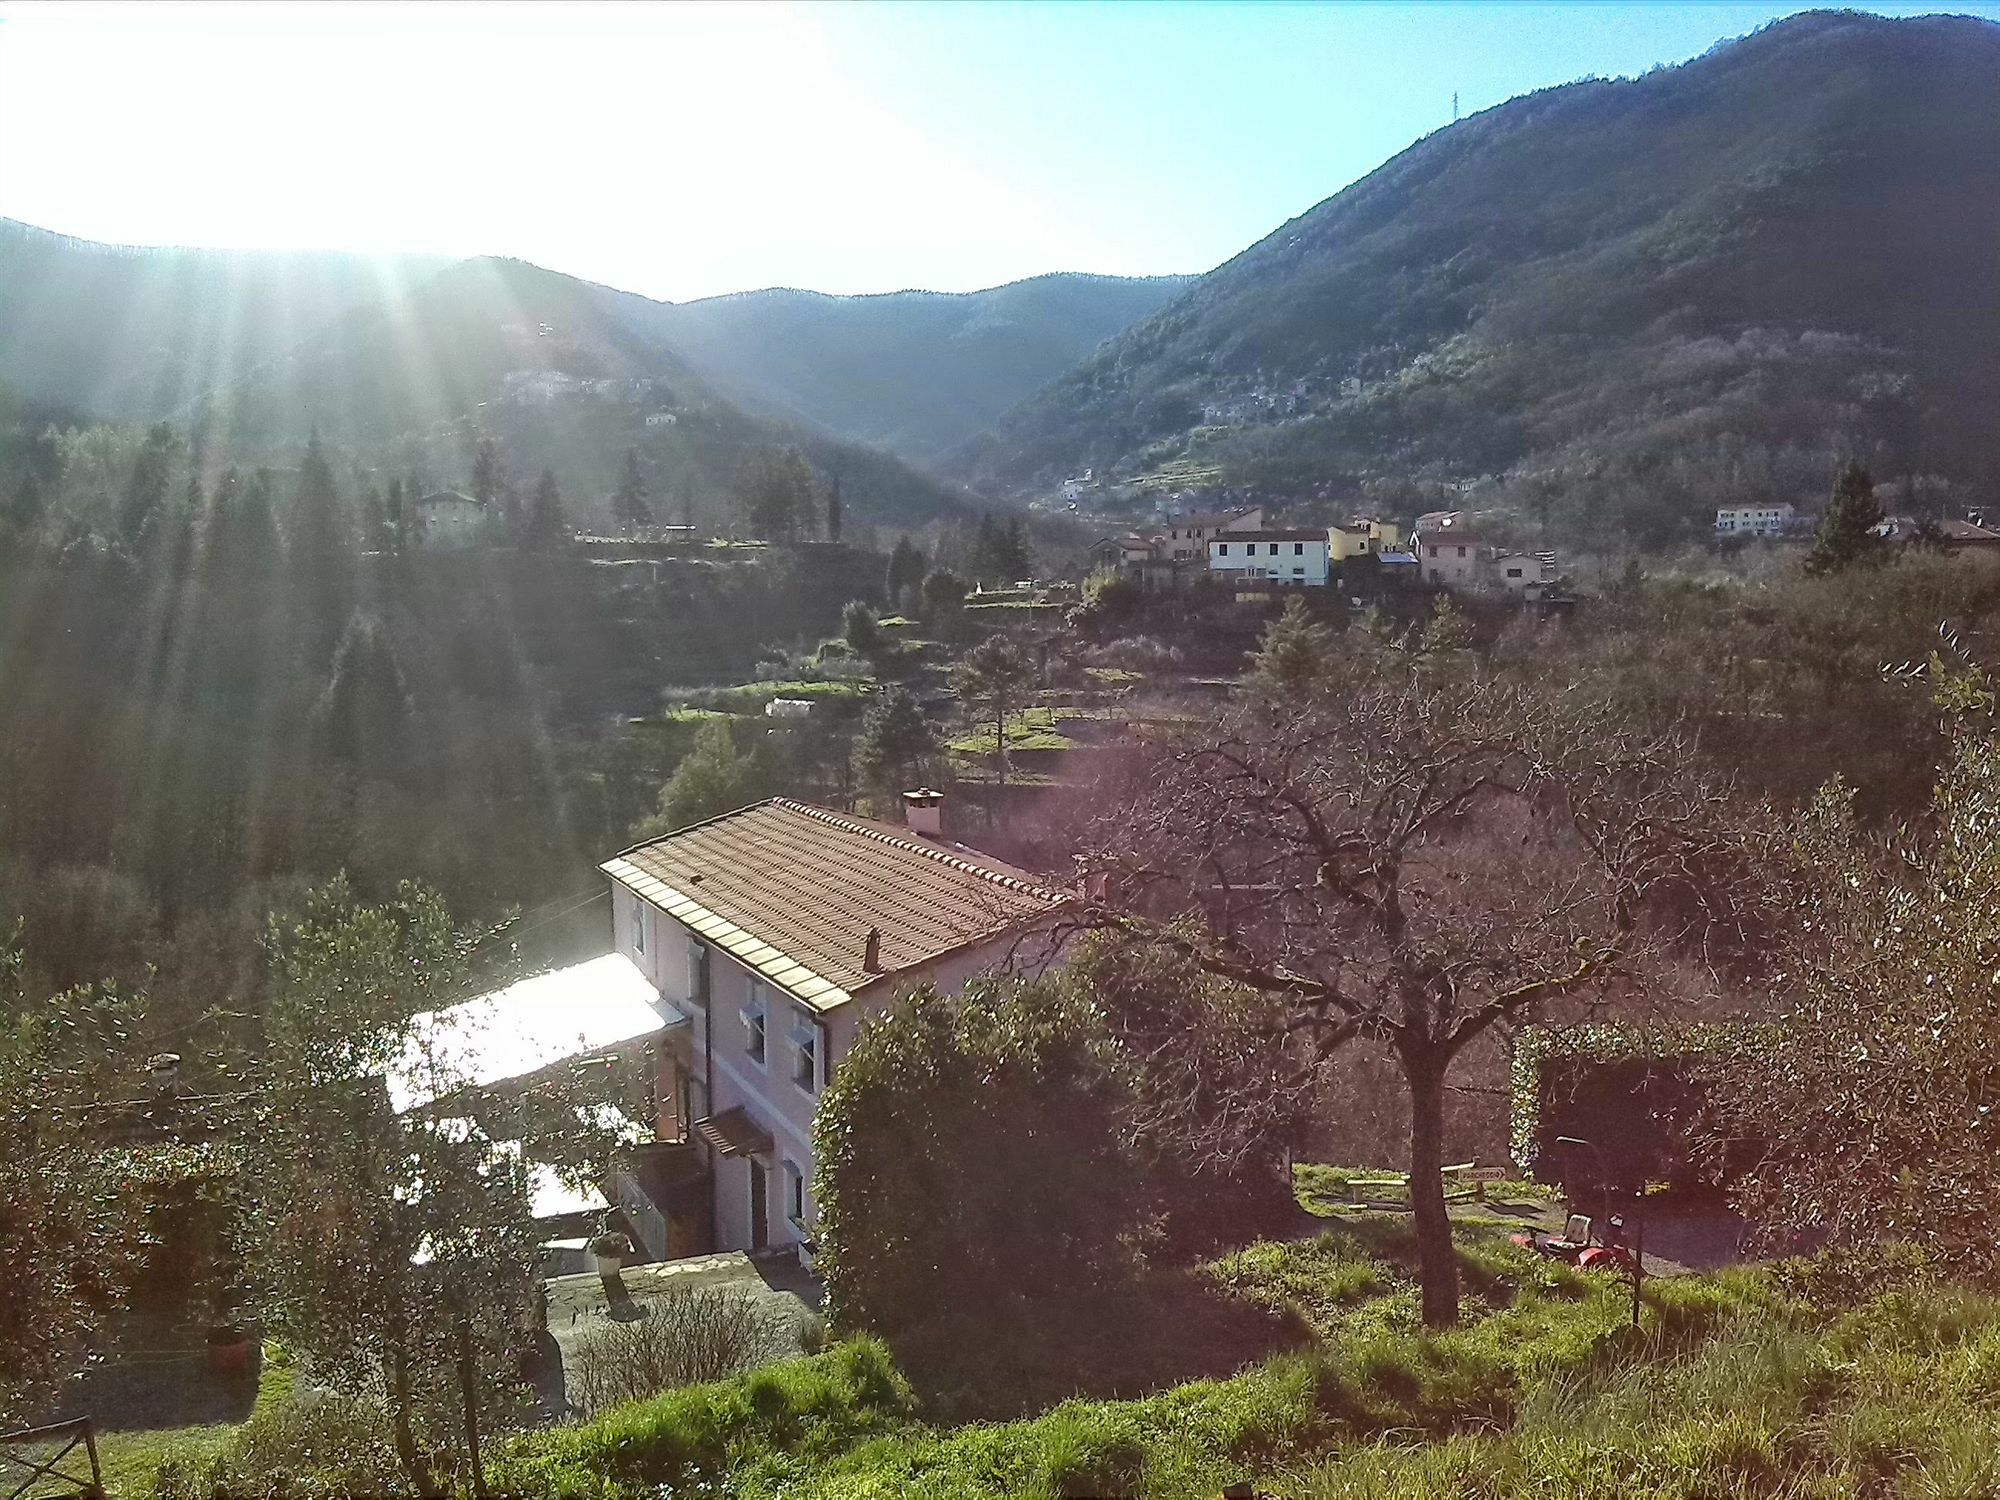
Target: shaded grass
x=130 y=1459
x=1375 y=1376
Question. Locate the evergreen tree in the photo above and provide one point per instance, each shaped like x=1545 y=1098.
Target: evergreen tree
x=317 y=540
x=245 y=543
x=487 y=478
x=363 y=715
x=906 y=570
x=896 y=741
x=146 y=488
x=1847 y=532
x=1295 y=654
x=996 y=672
x=1015 y=553
x=862 y=631
x=833 y=510
x=944 y=604
x=375 y=533
x=396 y=514
x=1000 y=551
x=547 y=526
x=628 y=505
x=718 y=775
x=774 y=492
x=25 y=508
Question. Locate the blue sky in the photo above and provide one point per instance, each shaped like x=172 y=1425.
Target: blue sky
x=694 y=149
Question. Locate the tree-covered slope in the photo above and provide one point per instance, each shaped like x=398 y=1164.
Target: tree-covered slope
x=134 y=334
x=915 y=372
x=1711 y=279
x=560 y=374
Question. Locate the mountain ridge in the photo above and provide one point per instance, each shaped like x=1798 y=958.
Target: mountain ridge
x=1515 y=294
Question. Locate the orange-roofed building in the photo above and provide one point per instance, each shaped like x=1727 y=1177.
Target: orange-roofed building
x=777 y=929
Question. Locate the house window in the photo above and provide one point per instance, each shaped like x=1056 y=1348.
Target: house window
x=1298 y=549
x=1298 y=572
x=755 y=1015
x=638 y=925
x=700 y=972
x=1274 y=549
x=1461 y=552
x=805 y=1053
x=795 y=1194
x=1513 y=572
x=1222 y=549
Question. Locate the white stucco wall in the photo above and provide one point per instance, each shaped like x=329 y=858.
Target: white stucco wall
x=767 y=1091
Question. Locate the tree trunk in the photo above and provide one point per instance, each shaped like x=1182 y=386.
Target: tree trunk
x=1000 y=735
x=1437 y=1263
x=399 y=1413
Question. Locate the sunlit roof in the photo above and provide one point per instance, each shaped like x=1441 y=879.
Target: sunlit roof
x=579 y=1011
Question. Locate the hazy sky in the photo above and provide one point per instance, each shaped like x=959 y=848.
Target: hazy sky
x=683 y=150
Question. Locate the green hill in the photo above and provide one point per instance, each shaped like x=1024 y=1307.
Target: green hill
x=1631 y=299
x=915 y=372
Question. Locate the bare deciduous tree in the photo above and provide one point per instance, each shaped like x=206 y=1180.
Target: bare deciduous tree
x=1413 y=858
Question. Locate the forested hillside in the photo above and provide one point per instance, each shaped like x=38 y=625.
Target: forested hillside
x=131 y=334
x=1631 y=300
x=560 y=374
x=917 y=373
x=404 y=366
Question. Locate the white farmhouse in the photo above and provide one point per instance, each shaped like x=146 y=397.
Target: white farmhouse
x=1520 y=572
x=1298 y=557
x=1753 y=520
x=777 y=930
x=449 y=521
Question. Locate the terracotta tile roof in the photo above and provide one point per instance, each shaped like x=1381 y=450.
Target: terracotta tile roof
x=791 y=891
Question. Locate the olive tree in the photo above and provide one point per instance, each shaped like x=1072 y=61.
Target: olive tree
x=1867 y=1110
x=394 y=1253
x=69 y=1232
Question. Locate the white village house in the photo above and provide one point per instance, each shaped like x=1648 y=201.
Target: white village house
x=447 y=521
x=1298 y=557
x=1754 y=520
x=776 y=930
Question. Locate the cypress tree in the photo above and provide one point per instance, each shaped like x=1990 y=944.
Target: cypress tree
x=1847 y=532
x=547 y=526
x=628 y=505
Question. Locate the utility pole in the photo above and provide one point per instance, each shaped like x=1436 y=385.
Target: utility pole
x=1454 y=106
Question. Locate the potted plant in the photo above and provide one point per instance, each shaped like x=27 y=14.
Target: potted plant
x=609 y=1251
x=228 y=1348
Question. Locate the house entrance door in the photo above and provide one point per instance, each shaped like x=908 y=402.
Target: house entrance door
x=760 y=1206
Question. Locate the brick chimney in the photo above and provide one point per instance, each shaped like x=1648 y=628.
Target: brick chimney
x=923 y=810
x=871 y=952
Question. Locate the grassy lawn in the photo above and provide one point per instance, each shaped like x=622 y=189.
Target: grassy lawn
x=1743 y=1383
x=131 y=1456
x=751 y=697
x=1328 y=1191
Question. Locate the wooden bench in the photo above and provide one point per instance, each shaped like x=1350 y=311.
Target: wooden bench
x=1463 y=1180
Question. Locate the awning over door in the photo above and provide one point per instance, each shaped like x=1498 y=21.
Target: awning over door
x=734 y=1133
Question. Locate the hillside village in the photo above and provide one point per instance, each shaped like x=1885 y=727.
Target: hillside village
x=1367 y=874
